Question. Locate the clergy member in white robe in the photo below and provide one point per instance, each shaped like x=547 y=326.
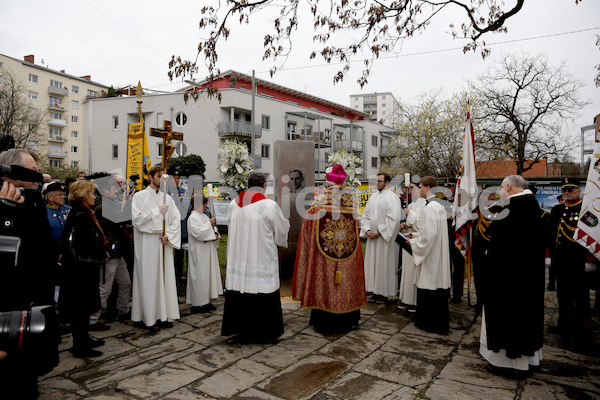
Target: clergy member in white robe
x=154 y=289
x=408 y=285
x=379 y=224
x=203 y=273
x=432 y=259
x=252 y=301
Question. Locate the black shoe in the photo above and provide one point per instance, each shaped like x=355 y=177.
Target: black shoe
x=125 y=317
x=93 y=343
x=210 y=307
x=199 y=309
x=85 y=353
x=98 y=327
x=558 y=330
x=165 y=324
x=510 y=373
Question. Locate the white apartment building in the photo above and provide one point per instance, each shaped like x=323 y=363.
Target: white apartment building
x=280 y=114
x=61 y=97
x=381 y=107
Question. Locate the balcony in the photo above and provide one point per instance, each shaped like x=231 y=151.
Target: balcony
x=57 y=139
x=320 y=166
x=350 y=145
x=58 y=91
x=56 y=107
x=57 y=122
x=238 y=128
x=57 y=154
x=314 y=137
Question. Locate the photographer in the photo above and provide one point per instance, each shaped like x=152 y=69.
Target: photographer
x=27 y=279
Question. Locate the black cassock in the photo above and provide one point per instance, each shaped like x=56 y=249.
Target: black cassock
x=514 y=279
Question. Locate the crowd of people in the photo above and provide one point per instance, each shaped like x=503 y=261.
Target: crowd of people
x=75 y=254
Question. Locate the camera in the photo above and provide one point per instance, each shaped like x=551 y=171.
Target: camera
x=19 y=173
x=30 y=336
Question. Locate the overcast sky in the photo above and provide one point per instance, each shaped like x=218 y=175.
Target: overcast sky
x=120 y=42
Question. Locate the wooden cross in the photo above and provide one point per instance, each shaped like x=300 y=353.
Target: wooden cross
x=167 y=135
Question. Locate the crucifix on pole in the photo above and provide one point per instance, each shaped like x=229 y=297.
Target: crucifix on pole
x=167 y=135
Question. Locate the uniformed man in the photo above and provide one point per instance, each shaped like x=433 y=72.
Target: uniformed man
x=57 y=211
x=568 y=260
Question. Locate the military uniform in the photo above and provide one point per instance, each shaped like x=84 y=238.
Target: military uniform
x=568 y=259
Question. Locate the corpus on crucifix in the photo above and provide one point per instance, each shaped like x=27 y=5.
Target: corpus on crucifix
x=167 y=135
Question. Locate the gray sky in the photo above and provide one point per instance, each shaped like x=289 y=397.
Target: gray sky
x=120 y=42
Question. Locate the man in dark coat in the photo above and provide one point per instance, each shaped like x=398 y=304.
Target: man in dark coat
x=512 y=329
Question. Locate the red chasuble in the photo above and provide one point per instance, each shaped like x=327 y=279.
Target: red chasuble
x=329 y=243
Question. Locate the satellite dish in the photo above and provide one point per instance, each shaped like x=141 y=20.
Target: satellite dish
x=180 y=149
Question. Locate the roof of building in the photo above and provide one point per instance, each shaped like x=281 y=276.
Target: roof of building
x=79 y=78
x=267 y=88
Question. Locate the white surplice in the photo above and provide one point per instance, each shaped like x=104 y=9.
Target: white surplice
x=408 y=287
x=382 y=214
x=203 y=274
x=154 y=289
x=430 y=249
x=255 y=231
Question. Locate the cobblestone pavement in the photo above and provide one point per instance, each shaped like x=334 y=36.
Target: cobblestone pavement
x=386 y=358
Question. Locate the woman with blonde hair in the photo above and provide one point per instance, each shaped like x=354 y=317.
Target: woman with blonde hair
x=83 y=254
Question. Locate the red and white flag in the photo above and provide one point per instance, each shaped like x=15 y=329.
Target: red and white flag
x=588 y=226
x=465 y=199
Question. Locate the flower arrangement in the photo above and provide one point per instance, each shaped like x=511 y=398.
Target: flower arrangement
x=234 y=164
x=351 y=163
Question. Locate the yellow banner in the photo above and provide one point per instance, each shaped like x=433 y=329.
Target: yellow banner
x=138 y=154
x=363 y=192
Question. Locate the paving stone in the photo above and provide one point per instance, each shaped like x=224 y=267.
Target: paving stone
x=221 y=355
x=355 y=346
x=236 y=378
x=66 y=362
x=141 y=337
x=405 y=393
x=58 y=394
x=469 y=346
x=111 y=396
x=207 y=335
x=305 y=378
x=397 y=368
x=201 y=319
x=292 y=325
x=100 y=375
x=170 y=377
x=534 y=389
x=187 y=394
x=388 y=324
x=253 y=394
x=569 y=369
x=48 y=385
x=371 y=309
x=290 y=307
x=451 y=390
x=287 y=352
x=424 y=347
x=359 y=386
x=454 y=335
x=472 y=371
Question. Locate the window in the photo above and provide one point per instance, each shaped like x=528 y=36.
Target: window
x=75 y=164
x=55 y=163
x=54 y=132
x=383 y=98
x=159 y=119
x=75 y=89
x=33 y=95
x=383 y=113
x=56 y=115
x=356 y=99
x=33 y=78
x=92 y=93
x=56 y=84
x=266 y=122
x=115 y=122
x=180 y=119
x=74 y=149
x=159 y=149
x=74 y=119
x=382 y=104
x=374 y=162
x=115 y=151
x=55 y=101
x=75 y=105
x=367 y=98
x=74 y=134
x=291 y=131
x=374 y=140
x=264 y=150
